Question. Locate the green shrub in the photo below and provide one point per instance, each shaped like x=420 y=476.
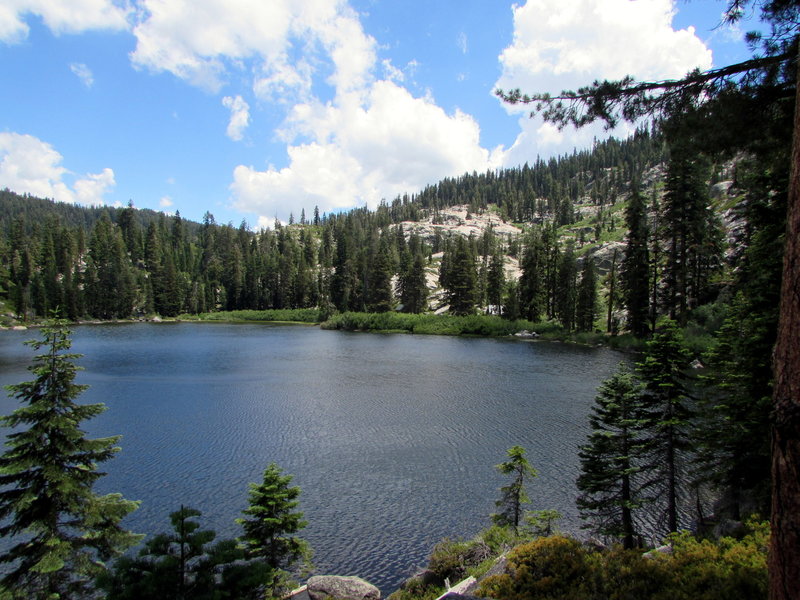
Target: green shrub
x=414 y=589
x=499 y=539
x=729 y=568
x=626 y=341
x=620 y=574
x=451 y=559
x=440 y=326
x=560 y=568
x=549 y=567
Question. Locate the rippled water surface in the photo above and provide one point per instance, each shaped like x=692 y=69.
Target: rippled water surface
x=392 y=438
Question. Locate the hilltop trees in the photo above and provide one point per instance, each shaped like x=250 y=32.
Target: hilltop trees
x=127 y=262
x=67 y=532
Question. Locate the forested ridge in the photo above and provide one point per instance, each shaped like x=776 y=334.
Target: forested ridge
x=107 y=262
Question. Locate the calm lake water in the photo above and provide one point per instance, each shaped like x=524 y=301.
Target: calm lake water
x=392 y=438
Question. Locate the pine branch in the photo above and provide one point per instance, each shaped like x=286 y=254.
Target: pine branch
x=629 y=100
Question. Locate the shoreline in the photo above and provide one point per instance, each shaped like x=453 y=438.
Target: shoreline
x=478 y=326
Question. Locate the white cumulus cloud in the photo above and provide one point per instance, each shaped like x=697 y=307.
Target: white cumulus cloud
x=199 y=40
x=240 y=116
x=30 y=166
x=82 y=72
x=364 y=148
x=560 y=45
x=92 y=188
x=60 y=16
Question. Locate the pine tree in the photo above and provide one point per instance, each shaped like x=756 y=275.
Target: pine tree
x=635 y=265
x=185 y=565
x=511 y=309
x=380 y=297
x=733 y=426
x=586 y=304
x=565 y=292
x=691 y=235
x=130 y=232
x=342 y=280
x=22 y=268
x=109 y=280
x=513 y=495
x=610 y=460
x=495 y=282
x=667 y=412
x=66 y=531
x=413 y=283
x=531 y=282
x=461 y=278
x=271 y=521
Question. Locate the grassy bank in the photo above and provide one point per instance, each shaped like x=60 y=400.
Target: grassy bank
x=422 y=324
x=480 y=325
x=289 y=315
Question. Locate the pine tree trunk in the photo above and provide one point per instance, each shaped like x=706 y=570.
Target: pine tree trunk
x=672 y=485
x=612 y=281
x=784 y=556
x=627 y=516
x=629 y=535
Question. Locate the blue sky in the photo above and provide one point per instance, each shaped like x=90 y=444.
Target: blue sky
x=255 y=109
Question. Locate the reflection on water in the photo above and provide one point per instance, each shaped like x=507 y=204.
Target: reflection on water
x=392 y=438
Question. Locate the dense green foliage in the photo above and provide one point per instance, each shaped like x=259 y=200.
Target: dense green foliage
x=186 y=563
x=635 y=268
x=561 y=568
x=189 y=563
x=484 y=325
x=639 y=460
x=288 y=315
x=749 y=109
x=62 y=531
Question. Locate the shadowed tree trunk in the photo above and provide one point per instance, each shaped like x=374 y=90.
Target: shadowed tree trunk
x=784 y=555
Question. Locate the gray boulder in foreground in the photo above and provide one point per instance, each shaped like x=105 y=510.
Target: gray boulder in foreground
x=334 y=587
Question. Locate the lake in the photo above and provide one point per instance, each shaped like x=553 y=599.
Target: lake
x=393 y=438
